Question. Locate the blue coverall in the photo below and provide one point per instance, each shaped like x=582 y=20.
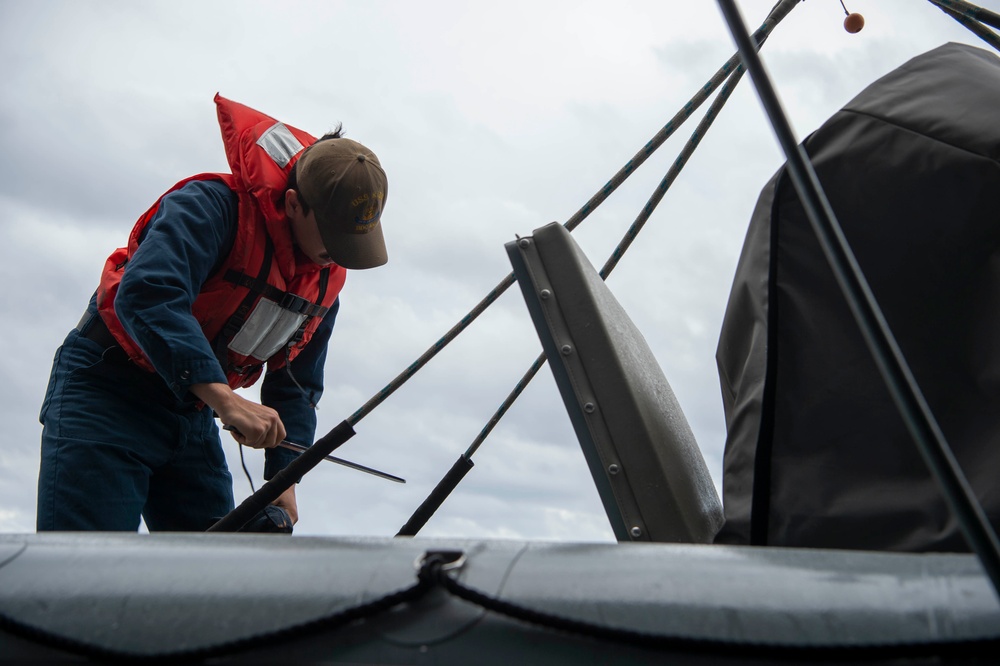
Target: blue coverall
x=119 y=442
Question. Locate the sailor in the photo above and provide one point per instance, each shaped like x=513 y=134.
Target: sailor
x=226 y=278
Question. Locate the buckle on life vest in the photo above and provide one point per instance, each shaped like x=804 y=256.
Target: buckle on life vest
x=294 y=303
x=302 y=306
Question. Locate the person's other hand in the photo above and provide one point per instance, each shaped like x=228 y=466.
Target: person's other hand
x=287 y=502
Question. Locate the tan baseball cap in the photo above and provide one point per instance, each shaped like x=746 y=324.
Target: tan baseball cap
x=344 y=183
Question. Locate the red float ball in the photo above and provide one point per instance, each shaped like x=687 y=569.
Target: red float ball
x=854 y=22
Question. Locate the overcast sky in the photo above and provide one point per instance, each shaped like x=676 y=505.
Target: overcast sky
x=491 y=119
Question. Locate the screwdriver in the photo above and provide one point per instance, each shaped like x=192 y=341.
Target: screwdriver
x=292 y=446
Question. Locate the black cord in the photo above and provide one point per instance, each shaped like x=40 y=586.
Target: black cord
x=269 y=639
x=288 y=369
x=722 y=648
x=243 y=463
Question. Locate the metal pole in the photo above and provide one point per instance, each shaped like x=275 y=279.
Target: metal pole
x=971 y=18
x=284 y=479
x=971 y=11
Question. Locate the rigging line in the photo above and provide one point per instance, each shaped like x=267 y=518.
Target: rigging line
x=682 y=159
x=464 y=464
x=630 y=235
x=505 y=405
x=871 y=322
x=779 y=12
x=970 y=21
x=974 y=12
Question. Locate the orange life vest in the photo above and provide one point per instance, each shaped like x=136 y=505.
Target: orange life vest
x=262 y=305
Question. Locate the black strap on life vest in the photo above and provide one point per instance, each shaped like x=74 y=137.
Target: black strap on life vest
x=259 y=287
x=239 y=318
x=324 y=277
x=284 y=299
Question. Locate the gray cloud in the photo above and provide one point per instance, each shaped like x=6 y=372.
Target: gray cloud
x=491 y=122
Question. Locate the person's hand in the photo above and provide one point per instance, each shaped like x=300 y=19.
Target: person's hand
x=254 y=425
x=287 y=502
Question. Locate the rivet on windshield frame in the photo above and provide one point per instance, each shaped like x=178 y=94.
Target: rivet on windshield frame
x=589 y=407
x=523 y=243
x=636 y=532
x=566 y=350
x=612 y=468
x=544 y=294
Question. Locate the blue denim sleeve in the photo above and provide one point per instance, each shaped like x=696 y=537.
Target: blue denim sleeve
x=188 y=237
x=294 y=390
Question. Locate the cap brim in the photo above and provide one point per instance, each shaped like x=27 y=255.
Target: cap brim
x=355 y=251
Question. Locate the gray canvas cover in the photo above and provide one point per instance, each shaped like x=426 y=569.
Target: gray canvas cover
x=816 y=453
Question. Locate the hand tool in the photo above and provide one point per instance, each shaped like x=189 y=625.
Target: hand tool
x=340 y=461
